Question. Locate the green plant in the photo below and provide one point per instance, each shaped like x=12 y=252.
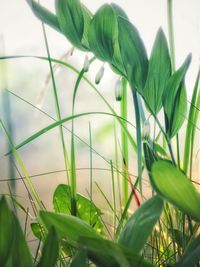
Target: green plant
x=163 y=231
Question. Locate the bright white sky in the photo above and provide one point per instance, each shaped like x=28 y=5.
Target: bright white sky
x=22 y=31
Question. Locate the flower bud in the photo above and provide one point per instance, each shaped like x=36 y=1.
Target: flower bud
x=146 y=130
x=118 y=90
x=86 y=64
x=99 y=75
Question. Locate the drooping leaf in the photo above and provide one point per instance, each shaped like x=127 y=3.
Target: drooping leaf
x=44 y=15
x=176 y=188
x=50 y=250
x=6 y=231
x=140 y=225
x=67 y=226
x=109 y=254
x=174 y=99
x=86 y=210
x=80 y=259
x=71 y=20
x=87 y=16
x=103 y=33
x=133 y=54
x=192 y=254
x=159 y=72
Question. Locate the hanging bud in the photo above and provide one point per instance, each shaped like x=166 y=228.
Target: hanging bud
x=99 y=75
x=118 y=90
x=86 y=64
x=146 y=130
x=72 y=51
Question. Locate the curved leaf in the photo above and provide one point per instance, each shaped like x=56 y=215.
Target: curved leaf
x=71 y=20
x=133 y=54
x=176 y=188
x=44 y=15
x=103 y=33
x=158 y=73
x=140 y=225
x=174 y=99
x=68 y=226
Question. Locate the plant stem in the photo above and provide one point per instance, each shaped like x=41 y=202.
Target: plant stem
x=139 y=137
x=124 y=140
x=172 y=53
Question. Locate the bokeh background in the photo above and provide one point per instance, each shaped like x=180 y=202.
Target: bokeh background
x=28 y=84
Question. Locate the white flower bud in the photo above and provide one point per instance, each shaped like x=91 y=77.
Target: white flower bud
x=86 y=64
x=99 y=75
x=146 y=130
x=118 y=90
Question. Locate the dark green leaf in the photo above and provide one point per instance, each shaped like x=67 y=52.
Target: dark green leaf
x=109 y=254
x=192 y=254
x=140 y=225
x=44 y=15
x=176 y=188
x=159 y=72
x=86 y=210
x=6 y=231
x=80 y=259
x=174 y=99
x=50 y=250
x=21 y=255
x=103 y=33
x=133 y=54
x=68 y=226
x=71 y=20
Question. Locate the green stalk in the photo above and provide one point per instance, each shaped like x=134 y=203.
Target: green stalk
x=56 y=102
x=124 y=140
x=172 y=54
x=113 y=193
x=24 y=171
x=139 y=137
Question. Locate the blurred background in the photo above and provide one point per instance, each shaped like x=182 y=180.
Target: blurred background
x=28 y=86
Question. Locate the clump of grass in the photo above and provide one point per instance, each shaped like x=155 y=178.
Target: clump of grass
x=164 y=229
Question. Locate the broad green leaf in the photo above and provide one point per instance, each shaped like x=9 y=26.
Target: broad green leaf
x=86 y=210
x=68 y=226
x=174 y=99
x=140 y=225
x=176 y=188
x=71 y=20
x=6 y=231
x=87 y=16
x=50 y=250
x=192 y=254
x=44 y=15
x=80 y=259
x=133 y=54
x=117 y=63
x=109 y=254
x=20 y=255
x=103 y=33
x=159 y=72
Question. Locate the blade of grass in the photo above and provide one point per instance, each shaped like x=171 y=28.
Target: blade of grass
x=192 y=120
x=124 y=139
x=56 y=102
x=29 y=182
